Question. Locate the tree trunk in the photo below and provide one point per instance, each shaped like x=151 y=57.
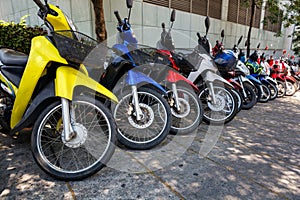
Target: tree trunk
x=253 y=6
x=100 y=28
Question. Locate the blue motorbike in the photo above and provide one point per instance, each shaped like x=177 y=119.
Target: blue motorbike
x=143 y=116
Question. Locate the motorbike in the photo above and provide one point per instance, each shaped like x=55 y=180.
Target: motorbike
x=143 y=116
x=262 y=90
x=73 y=132
x=182 y=97
x=280 y=72
x=235 y=72
x=264 y=76
x=219 y=102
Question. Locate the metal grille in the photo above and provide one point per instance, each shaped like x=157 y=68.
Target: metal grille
x=257 y=19
x=242 y=16
x=164 y=3
x=215 y=9
x=183 y=5
x=269 y=26
x=233 y=11
x=199 y=7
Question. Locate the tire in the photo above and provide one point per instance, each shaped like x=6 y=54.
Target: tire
x=291 y=88
x=147 y=133
x=239 y=98
x=82 y=156
x=281 y=88
x=250 y=99
x=263 y=96
x=190 y=115
x=225 y=109
x=274 y=91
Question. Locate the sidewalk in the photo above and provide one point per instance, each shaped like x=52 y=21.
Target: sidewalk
x=257 y=156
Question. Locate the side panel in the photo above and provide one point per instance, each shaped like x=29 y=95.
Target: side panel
x=41 y=53
x=67 y=79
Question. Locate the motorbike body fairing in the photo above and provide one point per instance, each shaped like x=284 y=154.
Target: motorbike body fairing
x=66 y=79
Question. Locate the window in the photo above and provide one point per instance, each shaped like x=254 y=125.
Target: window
x=164 y=3
x=199 y=7
x=233 y=11
x=183 y=5
x=215 y=9
x=275 y=27
x=212 y=8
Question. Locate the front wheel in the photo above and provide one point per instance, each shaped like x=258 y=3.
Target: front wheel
x=291 y=88
x=223 y=109
x=274 y=91
x=281 y=88
x=153 y=126
x=189 y=115
x=90 y=148
x=264 y=94
x=249 y=96
x=239 y=98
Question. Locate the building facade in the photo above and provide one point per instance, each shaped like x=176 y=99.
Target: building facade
x=147 y=16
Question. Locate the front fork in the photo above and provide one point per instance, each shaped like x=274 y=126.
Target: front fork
x=138 y=111
x=212 y=92
x=69 y=132
x=175 y=93
x=242 y=85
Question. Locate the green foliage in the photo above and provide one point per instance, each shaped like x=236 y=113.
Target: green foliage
x=292 y=17
x=17 y=35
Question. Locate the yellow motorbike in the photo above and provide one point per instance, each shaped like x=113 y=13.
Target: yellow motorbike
x=73 y=133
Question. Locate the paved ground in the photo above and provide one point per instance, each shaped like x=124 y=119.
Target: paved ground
x=257 y=156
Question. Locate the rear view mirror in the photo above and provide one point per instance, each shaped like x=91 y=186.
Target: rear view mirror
x=173 y=15
x=129 y=3
x=239 y=41
x=222 y=34
x=258 y=46
x=207 y=24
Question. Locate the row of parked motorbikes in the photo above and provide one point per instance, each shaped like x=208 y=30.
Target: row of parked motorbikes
x=78 y=112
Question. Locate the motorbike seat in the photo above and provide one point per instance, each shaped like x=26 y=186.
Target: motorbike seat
x=11 y=57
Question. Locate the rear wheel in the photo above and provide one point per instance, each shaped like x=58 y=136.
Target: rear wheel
x=88 y=150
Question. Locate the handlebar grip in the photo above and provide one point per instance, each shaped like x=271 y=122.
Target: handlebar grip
x=40 y=4
x=118 y=17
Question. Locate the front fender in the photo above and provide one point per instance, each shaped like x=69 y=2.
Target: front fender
x=135 y=77
x=212 y=77
x=67 y=79
x=253 y=80
x=246 y=80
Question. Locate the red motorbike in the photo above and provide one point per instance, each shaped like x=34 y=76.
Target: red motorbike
x=287 y=84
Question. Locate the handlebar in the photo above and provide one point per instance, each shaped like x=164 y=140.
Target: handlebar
x=118 y=17
x=40 y=4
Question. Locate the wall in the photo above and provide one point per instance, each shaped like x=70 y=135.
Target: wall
x=13 y=10
x=146 y=21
